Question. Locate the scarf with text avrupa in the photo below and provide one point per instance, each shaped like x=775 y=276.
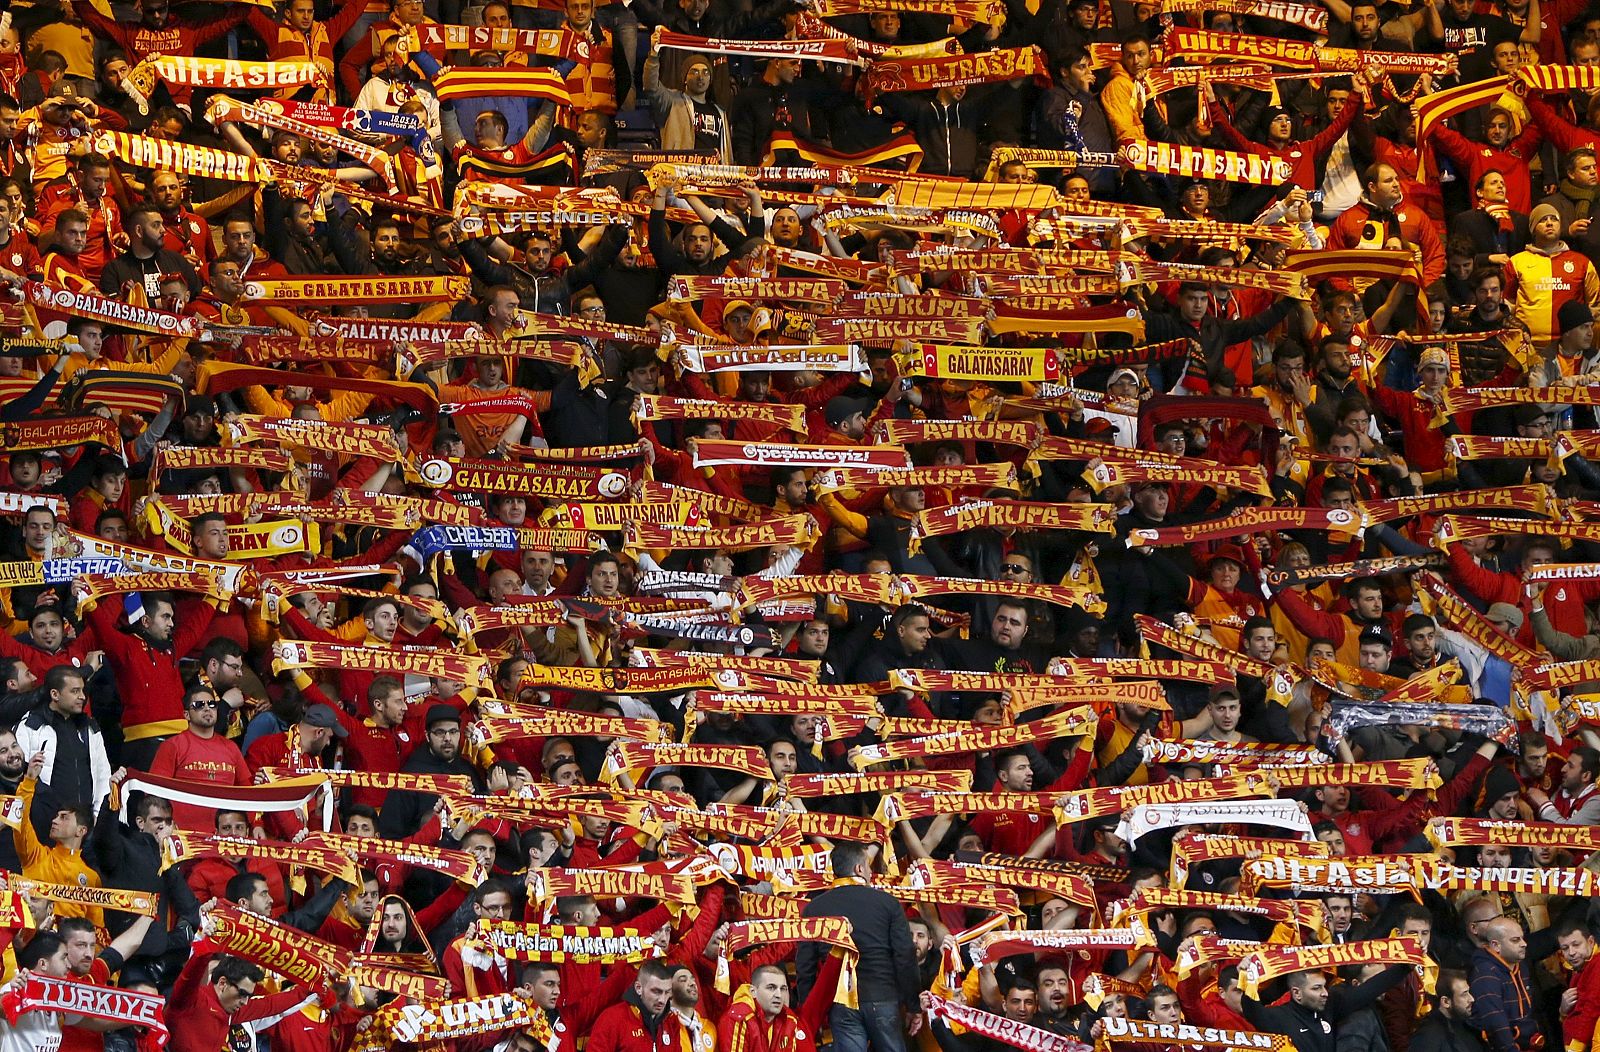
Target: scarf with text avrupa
x=1256 y=75
x=439 y=40
x=910 y=806
x=850 y=783
x=1080 y=805
x=862 y=588
x=1498 y=447
x=1212 y=672
x=181 y=846
x=1454 y=528
x=461 y=866
x=793 y=531
x=1067 y=722
x=1471 y=399
x=792 y=669
x=1140 y=468
x=929 y=74
x=1383 y=874
x=998 y=432
x=1005 y=261
x=1269 y=963
x=1294 y=913
x=565 y=943
x=1416 y=774
x=441 y=664
x=96 y=587
x=918 y=586
x=1142 y=1031
x=1279 y=680
x=497 y=728
x=1073 y=887
x=178 y=458
x=409 y=984
x=635 y=814
x=878 y=331
x=1146 y=818
x=741 y=704
x=1340 y=522
x=277 y=947
x=985 y=476
x=664 y=407
x=1452 y=832
x=1455 y=612
x=1009 y=514
x=834 y=932
x=68 y=996
x=802 y=290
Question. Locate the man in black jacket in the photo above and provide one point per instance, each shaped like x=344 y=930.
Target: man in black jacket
x=404 y=812
x=1307 y=1018
x=146 y=258
x=1446 y=1028
x=886 y=965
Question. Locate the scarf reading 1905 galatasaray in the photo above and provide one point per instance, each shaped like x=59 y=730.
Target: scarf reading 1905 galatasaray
x=43 y=993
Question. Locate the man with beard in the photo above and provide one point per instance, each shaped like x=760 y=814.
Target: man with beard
x=694 y=250
x=1448 y=1027
x=13 y=765
x=1054 y=998
x=1502 y=151
x=1381 y=220
x=145 y=664
x=1003 y=649
x=404 y=812
x=147 y=258
x=200 y=754
x=187 y=232
x=85 y=189
x=699 y=1032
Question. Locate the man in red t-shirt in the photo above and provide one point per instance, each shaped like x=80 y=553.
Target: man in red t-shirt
x=200 y=754
x=87 y=966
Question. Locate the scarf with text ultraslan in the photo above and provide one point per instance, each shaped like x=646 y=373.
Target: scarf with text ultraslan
x=44 y=993
x=826 y=358
x=1142 y=1031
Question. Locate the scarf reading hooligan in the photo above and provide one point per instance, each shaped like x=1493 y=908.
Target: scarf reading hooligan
x=44 y=993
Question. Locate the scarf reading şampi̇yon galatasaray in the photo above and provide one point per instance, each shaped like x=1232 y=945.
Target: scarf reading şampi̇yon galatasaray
x=44 y=993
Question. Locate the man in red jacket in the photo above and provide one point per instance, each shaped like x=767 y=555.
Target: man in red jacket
x=214 y=1008
x=145 y=663
x=644 y=1019
x=1580 y=1002
x=1381 y=220
x=760 y=1019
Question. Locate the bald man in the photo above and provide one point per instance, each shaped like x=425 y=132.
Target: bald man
x=1502 y=997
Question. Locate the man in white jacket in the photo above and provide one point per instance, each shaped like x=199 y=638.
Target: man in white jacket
x=75 y=770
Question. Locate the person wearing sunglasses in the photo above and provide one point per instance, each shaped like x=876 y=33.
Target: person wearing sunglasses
x=200 y=754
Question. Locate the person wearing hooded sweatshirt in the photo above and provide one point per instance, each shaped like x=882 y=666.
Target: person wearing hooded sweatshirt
x=1546 y=275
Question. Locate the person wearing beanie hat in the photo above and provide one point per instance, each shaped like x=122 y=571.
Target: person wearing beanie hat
x=405 y=812
x=1424 y=444
x=1498 y=798
x=1547 y=275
